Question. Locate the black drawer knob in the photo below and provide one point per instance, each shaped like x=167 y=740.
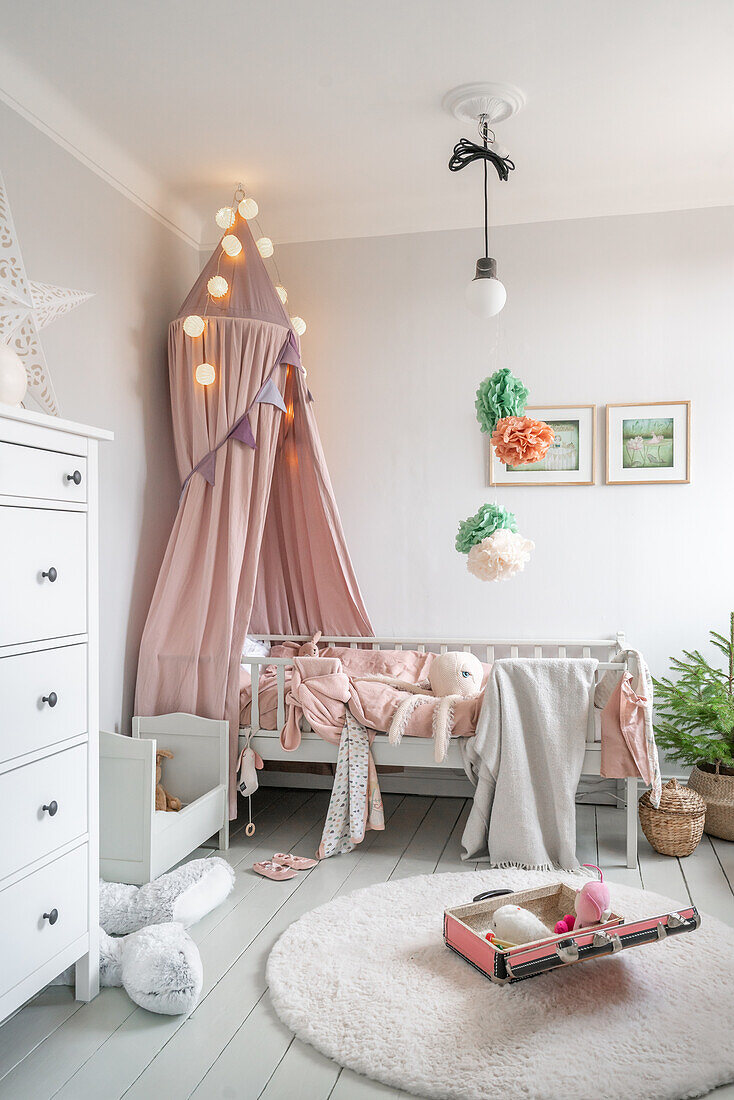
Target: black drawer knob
x=76 y=477
x=52 y=698
x=51 y=808
x=51 y=574
x=51 y=917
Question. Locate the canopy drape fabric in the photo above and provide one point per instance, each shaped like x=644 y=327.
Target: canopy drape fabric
x=257 y=544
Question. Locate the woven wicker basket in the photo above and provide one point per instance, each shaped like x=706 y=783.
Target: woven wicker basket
x=677 y=826
x=717 y=792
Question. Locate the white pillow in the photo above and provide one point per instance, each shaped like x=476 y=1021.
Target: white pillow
x=255 y=647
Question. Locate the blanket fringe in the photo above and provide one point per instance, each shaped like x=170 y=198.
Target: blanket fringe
x=509 y=865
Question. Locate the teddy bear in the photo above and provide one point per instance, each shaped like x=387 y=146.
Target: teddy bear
x=163 y=800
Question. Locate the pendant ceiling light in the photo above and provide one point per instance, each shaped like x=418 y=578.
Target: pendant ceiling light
x=485 y=104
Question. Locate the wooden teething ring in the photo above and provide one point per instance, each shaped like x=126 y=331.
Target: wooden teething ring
x=250 y=828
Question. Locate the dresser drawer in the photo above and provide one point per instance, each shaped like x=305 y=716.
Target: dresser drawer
x=58 y=782
x=48 y=475
x=27 y=939
x=33 y=542
x=27 y=723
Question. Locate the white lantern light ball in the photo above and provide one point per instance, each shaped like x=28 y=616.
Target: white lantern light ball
x=193 y=325
x=13 y=381
x=248 y=208
x=282 y=294
x=231 y=245
x=217 y=286
x=486 y=297
x=205 y=374
x=299 y=325
x=225 y=217
x=265 y=247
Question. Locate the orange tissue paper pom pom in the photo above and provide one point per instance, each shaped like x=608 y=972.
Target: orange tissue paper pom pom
x=518 y=440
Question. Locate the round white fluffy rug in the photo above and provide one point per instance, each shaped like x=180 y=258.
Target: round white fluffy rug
x=368 y=981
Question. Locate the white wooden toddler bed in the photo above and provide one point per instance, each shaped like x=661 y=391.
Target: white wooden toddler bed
x=417 y=752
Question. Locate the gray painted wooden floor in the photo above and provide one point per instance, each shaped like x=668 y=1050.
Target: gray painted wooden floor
x=233 y=1045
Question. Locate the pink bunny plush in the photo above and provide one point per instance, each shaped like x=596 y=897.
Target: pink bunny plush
x=591 y=905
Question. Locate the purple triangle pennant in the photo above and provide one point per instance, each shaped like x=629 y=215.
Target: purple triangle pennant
x=270 y=395
x=290 y=353
x=207 y=466
x=243 y=431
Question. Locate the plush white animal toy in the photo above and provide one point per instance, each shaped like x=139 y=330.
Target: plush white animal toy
x=157 y=963
x=184 y=895
x=159 y=967
x=513 y=924
x=452 y=676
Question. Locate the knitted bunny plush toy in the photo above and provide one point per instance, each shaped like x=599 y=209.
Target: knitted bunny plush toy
x=452 y=676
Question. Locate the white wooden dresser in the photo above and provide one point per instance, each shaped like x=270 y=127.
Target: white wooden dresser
x=48 y=704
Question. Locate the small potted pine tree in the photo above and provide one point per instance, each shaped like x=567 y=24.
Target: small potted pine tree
x=695 y=724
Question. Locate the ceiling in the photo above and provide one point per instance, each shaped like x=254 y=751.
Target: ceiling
x=330 y=110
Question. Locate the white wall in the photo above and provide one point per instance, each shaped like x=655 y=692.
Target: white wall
x=605 y=310
x=108 y=364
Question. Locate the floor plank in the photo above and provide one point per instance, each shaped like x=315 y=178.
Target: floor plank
x=586 y=846
x=661 y=874
x=425 y=848
x=707 y=882
x=450 y=858
x=611 y=842
x=725 y=854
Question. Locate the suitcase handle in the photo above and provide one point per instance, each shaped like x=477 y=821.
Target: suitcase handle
x=491 y=894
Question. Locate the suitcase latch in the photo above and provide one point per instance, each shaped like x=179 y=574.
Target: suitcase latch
x=603 y=939
x=567 y=951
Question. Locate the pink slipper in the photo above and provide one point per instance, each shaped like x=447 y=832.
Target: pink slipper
x=268 y=868
x=298 y=863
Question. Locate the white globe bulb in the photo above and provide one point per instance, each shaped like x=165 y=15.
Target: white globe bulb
x=231 y=245
x=193 y=325
x=205 y=374
x=13 y=381
x=282 y=293
x=485 y=297
x=248 y=208
x=225 y=217
x=265 y=247
x=217 y=286
x=299 y=325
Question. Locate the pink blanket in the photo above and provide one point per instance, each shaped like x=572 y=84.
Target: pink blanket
x=373 y=704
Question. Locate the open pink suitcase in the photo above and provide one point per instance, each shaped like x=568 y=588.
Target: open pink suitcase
x=465 y=926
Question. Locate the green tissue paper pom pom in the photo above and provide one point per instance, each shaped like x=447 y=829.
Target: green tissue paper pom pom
x=488 y=519
x=500 y=395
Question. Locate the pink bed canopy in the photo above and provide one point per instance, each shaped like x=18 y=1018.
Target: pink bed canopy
x=257 y=545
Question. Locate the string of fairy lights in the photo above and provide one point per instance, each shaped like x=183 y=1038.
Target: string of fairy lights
x=218 y=286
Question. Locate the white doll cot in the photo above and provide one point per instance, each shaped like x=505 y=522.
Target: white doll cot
x=137 y=842
x=417 y=752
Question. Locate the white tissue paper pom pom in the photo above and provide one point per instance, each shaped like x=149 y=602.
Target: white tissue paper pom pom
x=500 y=556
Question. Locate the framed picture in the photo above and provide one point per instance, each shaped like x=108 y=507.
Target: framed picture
x=649 y=444
x=570 y=459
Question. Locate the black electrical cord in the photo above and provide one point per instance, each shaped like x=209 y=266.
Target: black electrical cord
x=466 y=152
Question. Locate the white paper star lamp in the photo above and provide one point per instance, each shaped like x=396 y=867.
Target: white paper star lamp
x=26 y=308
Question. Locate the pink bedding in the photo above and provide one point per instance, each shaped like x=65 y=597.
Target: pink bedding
x=373 y=704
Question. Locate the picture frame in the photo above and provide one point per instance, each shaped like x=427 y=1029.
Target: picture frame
x=648 y=443
x=571 y=459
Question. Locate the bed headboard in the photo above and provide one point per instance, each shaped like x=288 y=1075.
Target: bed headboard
x=487 y=649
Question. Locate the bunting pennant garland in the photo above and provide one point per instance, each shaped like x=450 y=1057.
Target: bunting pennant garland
x=269 y=394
